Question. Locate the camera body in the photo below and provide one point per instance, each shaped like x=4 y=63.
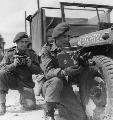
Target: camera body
x=22 y=59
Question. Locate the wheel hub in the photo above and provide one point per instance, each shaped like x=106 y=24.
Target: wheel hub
x=96 y=91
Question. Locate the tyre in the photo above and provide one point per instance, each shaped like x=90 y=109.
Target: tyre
x=96 y=89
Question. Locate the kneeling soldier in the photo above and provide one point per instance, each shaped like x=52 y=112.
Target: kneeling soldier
x=16 y=69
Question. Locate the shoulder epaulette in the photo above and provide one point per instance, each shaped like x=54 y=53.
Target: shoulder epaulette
x=31 y=50
x=11 y=49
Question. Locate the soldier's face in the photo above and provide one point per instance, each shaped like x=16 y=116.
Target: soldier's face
x=62 y=41
x=22 y=44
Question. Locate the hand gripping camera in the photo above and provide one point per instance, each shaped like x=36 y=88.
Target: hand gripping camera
x=22 y=58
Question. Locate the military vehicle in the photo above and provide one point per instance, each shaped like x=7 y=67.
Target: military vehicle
x=91 y=39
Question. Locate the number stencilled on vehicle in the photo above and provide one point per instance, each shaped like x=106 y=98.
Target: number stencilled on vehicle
x=90 y=39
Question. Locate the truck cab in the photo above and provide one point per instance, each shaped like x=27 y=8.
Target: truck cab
x=83 y=19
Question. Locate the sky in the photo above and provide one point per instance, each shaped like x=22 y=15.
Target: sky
x=12 y=14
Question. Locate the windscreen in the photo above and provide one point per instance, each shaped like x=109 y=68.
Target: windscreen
x=85 y=15
x=81 y=15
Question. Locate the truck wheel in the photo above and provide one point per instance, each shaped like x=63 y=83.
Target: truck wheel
x=96 y=89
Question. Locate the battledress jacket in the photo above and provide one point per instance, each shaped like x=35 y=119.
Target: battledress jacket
x=49 y=63
x=23 y=73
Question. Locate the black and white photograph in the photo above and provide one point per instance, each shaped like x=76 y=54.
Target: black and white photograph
x=56 y=59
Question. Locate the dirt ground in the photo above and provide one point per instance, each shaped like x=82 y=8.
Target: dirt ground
x=14 y=112
x=13 y=108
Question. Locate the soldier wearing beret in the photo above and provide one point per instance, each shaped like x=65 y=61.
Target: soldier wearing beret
x=56 y=90
x=16 y=69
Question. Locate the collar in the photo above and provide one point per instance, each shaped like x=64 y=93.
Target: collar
x=20 y=51
x=54 y=47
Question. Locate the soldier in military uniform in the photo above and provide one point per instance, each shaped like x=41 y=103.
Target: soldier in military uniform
x=16 y=69
x=56 y=90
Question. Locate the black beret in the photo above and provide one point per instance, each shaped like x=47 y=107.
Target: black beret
x=60 y=29
x=19 y=36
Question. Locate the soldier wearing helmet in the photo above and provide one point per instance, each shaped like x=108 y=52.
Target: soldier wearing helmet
x=17 y=67
x=56 y=90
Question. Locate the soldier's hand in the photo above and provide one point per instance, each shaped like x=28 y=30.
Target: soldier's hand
x=16 y=62
x=28 y=61
x=70 y=70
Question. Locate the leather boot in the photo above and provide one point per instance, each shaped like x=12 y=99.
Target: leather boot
x=2 y=108
x=2 y=103
x=49 y=110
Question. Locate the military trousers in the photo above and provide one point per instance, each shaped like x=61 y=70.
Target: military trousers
x=27 y=96
x=51 y=89
x=69 y=106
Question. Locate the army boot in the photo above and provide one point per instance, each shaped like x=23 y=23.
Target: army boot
x=2 y=108
x=2 y=103
x=49 y=111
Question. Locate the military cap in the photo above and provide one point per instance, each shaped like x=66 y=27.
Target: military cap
x=19 y=36
x=60 y=29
